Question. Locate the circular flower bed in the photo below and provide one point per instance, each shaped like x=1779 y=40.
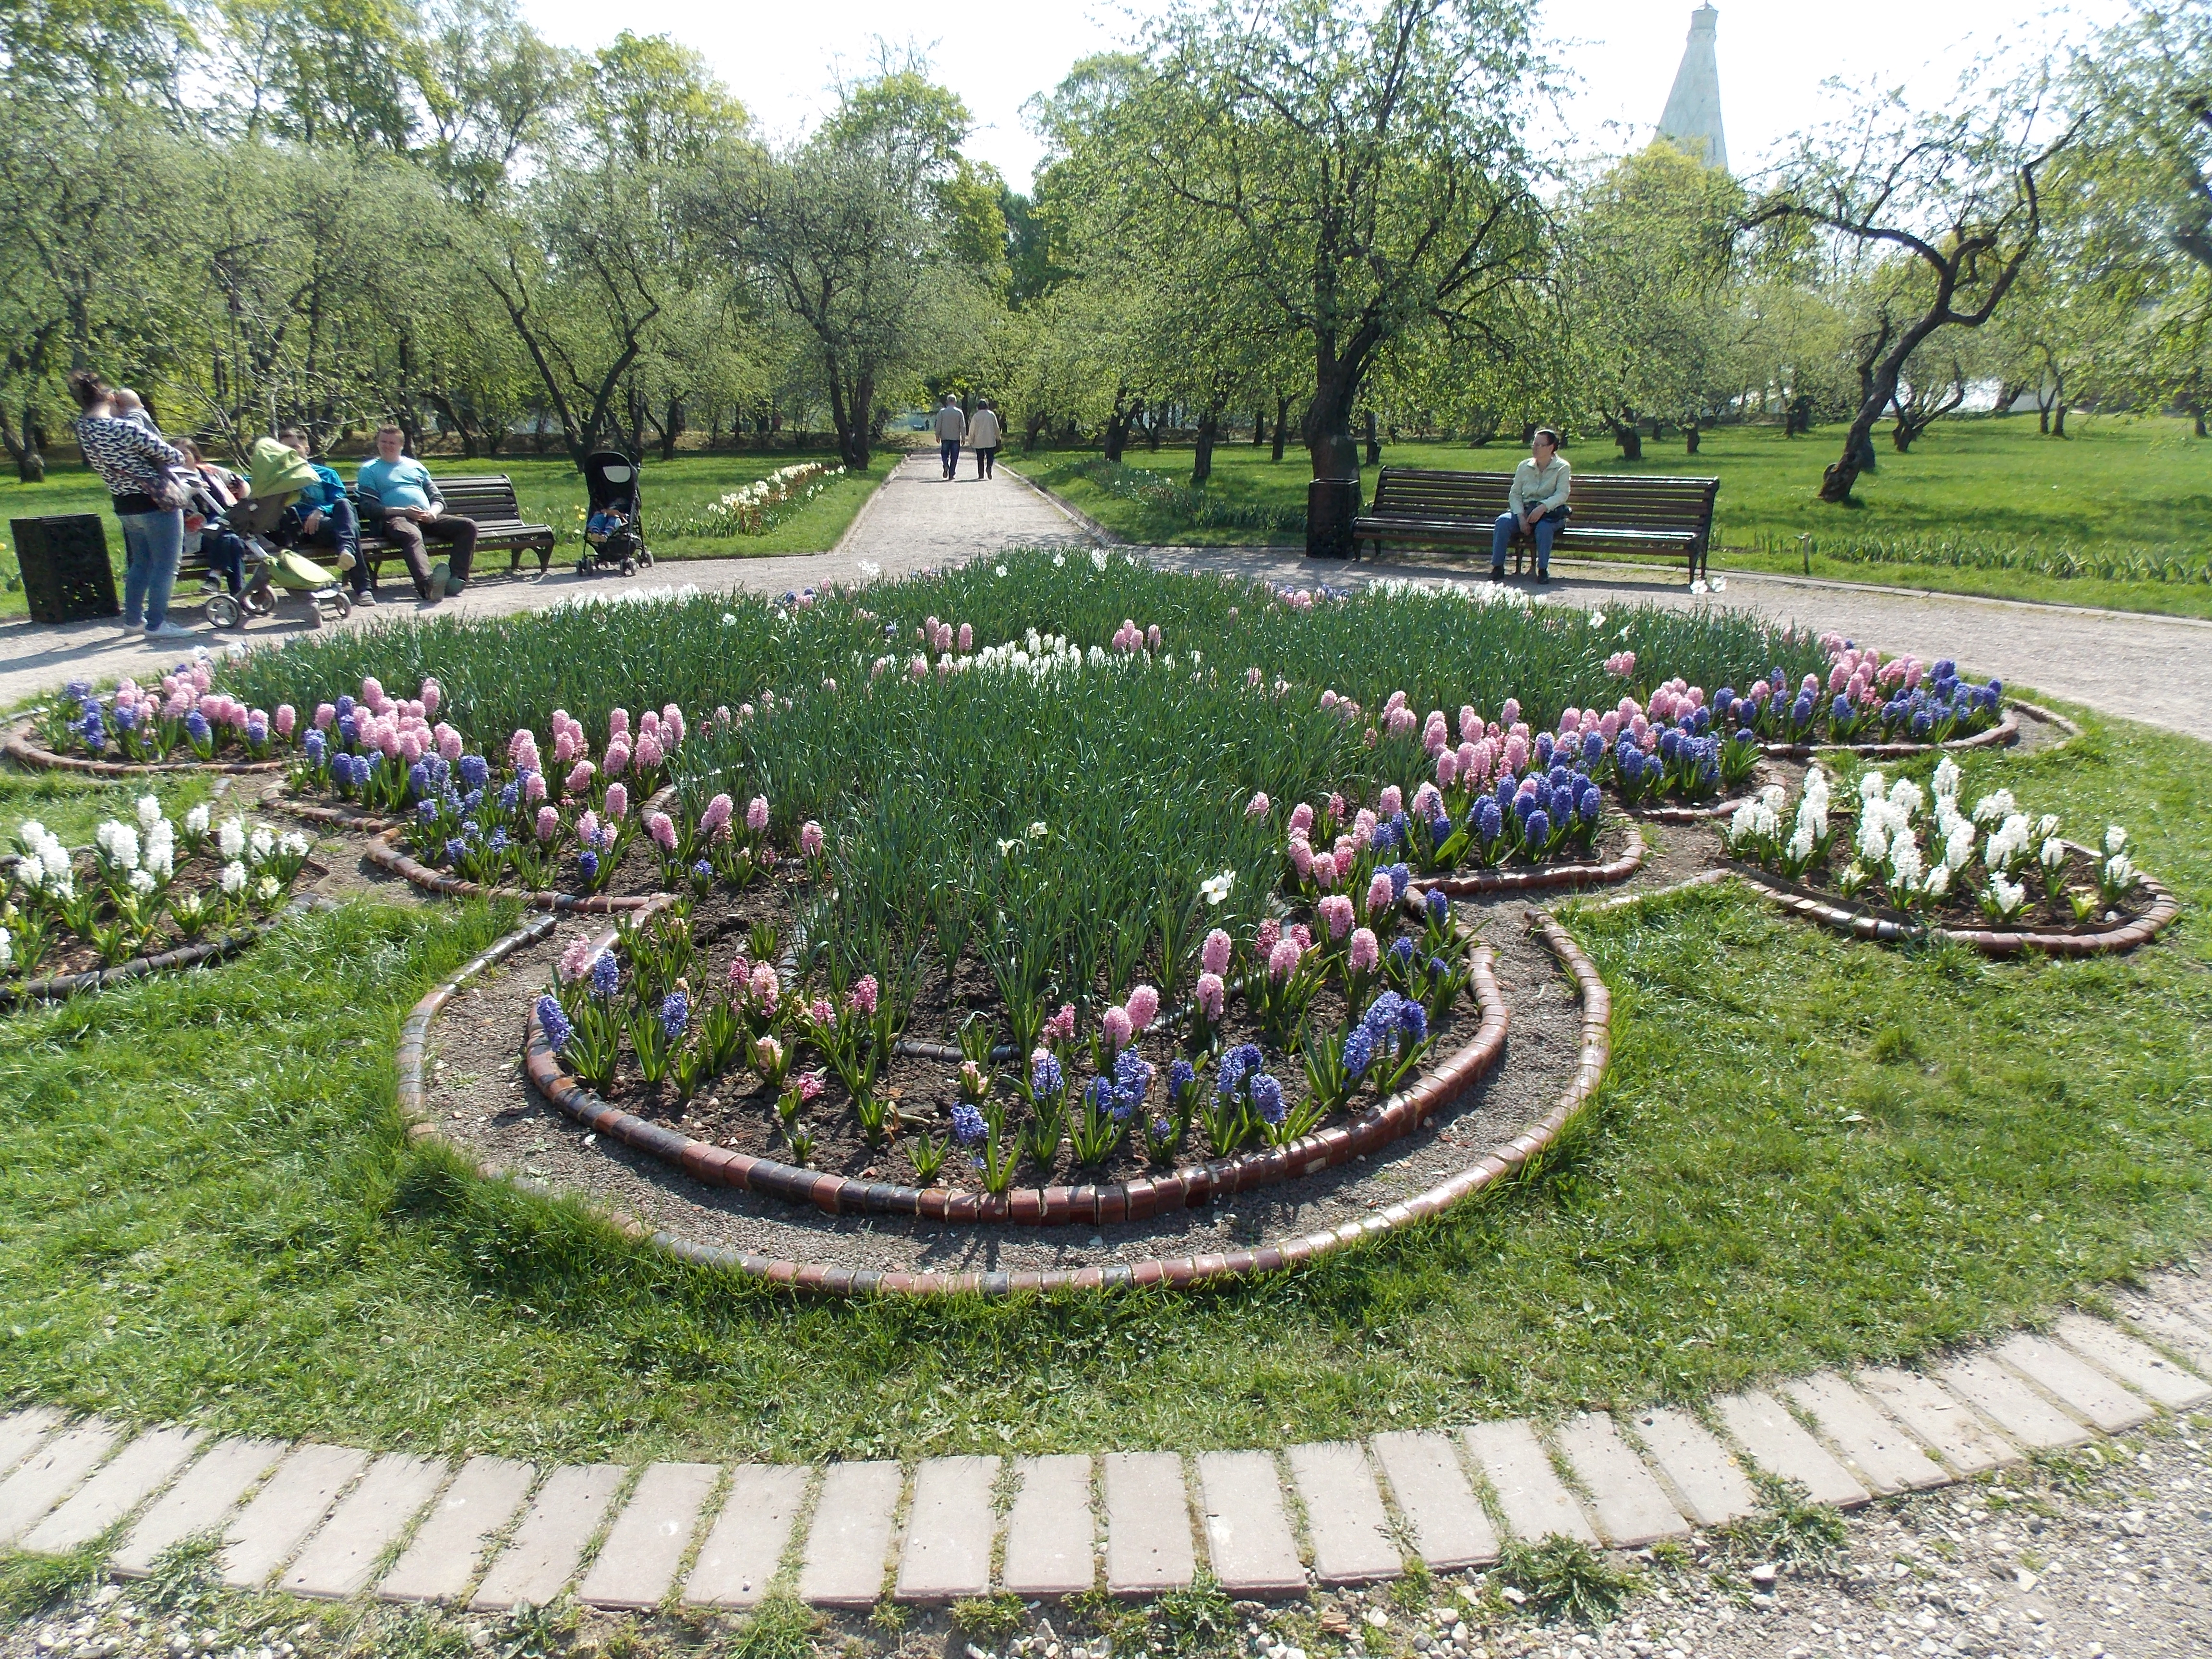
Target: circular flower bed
x=182 y=723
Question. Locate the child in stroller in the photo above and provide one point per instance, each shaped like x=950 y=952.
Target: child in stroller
x=614 y=531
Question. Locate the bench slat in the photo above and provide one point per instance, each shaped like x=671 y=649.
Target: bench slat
x=1663 y=515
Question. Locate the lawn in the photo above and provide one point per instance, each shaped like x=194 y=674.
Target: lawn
x=1808 y=1150
x=1971 y=492
x=550 y=492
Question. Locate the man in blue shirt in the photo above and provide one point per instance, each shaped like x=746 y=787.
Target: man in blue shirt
x=324 y=517
x=400 y=497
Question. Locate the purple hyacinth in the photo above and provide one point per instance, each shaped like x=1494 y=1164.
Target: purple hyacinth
x=675 y=1015
x=554 y=1023
x=1268 y=1096
x=1045 y=1076
x=968 y=1125
x=606 y=975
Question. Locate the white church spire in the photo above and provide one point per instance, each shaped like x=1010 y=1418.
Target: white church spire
x=1692 y=119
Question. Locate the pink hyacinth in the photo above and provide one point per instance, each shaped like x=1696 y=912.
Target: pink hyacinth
x=1364 y=952
x=1364 y=823
x=1320 y=870
x=1264 y=937
x=1399 y=721
x=1434 y=734
x=1391 y=803
x=863 y=995
x=533 y=787
x=577 y=962
x=1608 y=726
x=1335 y=914
x=671 y=727
x=587 y=829
x=617 y=757
x=1447 y=767
x=1283 y=960
x=1302 y=856
x=741 y=970
x=287 y=718
x=387 y=741
x=1346 y=859
x=449 y=744
x=1381 y=896
x=648 y=725
x=1152 y=637
x=1061 y=1028
x=1213 y=955
x=1302 y=817
x=549 y=823
x=580 y=777
x=433 y=695
x=618 y=801
x=1258 y=806
x=766 y=987
x=324 y=713
x=757 y=814
x=410 y=746
x=809 y=839
x=1516 y=753
x=372 y=690
x=716 y=818
x=648 y=754
x=1143 y=1007
x=617 y=723
x=1212 y=994
x=661 y=828
x=564 y=746
x=1470 y=723
x=967 y=638
x=522 y=752
x=1511 y=714
x=1115 y=1026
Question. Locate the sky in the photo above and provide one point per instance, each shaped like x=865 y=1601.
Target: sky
x=782 y=59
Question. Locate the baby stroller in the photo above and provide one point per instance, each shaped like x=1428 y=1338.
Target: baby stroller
x=279 y=474
x=614 y=527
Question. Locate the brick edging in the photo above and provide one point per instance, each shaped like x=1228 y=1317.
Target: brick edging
x=1047 y=1206
x=1989 y=941
x=58 y=988
x=1542 y=877
x=1523 y=1153
x=21 y=750
x=2005 y=731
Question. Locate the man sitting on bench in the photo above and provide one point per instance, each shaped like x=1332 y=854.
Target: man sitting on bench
x=399 y=489
x=1536 y=505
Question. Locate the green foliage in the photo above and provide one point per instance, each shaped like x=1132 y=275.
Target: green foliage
x=990 y=1620
x=1564 y=1578
x=30 y=1584
x=781 y=1627
x=1786 y=1527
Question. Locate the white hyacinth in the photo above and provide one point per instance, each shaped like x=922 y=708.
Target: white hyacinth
x=2005 y=897
x=196 y=822
x=6 y=950
x=1816 y=784
x=149 y=811
x=119 y=843
x=1938 y=881
x=1799 y=850
x=1994 y=809
x=261 y=844
x=1905 y=796
x=162 y=849
x=1946 y=779
x=1871 y=785
x=2052 y=856
x=267 y=890
x=2120 y=873
x=1874 y=832
x=292 y=844
x=234 y=877
x=1959 y=847
x=1905 y=865
x=142 y=883
x=2046 y=826
x=230 y=839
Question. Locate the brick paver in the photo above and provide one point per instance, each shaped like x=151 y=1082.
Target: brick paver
x=338 y=1561
x=2136 y=1363
x=1883 y=1455
x=202 y=1496
x=549 y=1544
x=1450 y=1529
x=1148 y=1546
x=1941 y=1418
x=2078 y=1385
x=289 y=1506
x=1247 y=1534
x=448 y=1548
x=851 y=1540
x=2170 y=1328
x=2002 y=1397
x=1782 y=1448
x=1051 y=1541
x=50 y=1474
x=121 y=1485
x=1344 y=1518
x=22 y=1431
x=1708 y=1486
x=738 y=1560
x=1632 y=1509
x=1534 y=1501
x=646 y=1546
x=949 y=1529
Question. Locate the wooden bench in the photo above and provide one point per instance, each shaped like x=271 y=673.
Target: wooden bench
x=1610 y=514
x=488 y=498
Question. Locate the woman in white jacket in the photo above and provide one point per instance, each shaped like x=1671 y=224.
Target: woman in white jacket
x=983 y=436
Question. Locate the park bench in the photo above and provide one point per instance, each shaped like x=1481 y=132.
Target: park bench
x=1612 y=515
x=488 y=498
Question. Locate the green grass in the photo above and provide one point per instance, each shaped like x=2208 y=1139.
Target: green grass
x=210 y=1208
x=550 y=491
x=2119 y=485
x=72 y=807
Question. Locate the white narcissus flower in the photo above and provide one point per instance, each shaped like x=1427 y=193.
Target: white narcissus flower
x=1098 y=560
x=1215 y=888
x=234 y=877
x=230 y=839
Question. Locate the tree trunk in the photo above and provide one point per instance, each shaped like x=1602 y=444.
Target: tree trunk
x=2058 y=420
x=1374 y=443
x=2197 y=414
x=1690 y=435
x=30 y=464
x=1333 y=497
x=1032 y=432
x=1283 y=427
x=1259 y=427
x=671 y=428
x=1209 y=428
x=1118 y=424
x=1152 y=429
x=1627 y=435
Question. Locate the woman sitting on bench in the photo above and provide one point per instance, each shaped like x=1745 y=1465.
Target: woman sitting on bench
x=1536 y=505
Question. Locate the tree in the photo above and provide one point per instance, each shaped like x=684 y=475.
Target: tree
x=1344 y=174
x=1958 y=191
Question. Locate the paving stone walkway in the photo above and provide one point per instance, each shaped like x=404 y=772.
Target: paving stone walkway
x=331 y=1522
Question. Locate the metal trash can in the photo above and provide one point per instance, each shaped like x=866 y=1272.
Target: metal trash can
x=66 y=574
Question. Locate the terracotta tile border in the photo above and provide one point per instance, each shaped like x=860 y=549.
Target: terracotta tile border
x=1523 y=1153
x=59 y=988
x=18 y=748
x=1542 y=877
x=1090 y=1204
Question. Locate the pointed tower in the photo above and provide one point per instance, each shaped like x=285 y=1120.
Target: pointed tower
x=1692 y=119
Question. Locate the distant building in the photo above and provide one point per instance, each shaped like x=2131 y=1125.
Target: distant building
x=1693 y=121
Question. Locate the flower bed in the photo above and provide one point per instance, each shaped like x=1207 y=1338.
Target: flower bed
x=1915 y=863
x=183 y=722
x=149 y=892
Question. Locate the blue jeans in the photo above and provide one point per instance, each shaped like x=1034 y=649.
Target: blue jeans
x=1502 y=536
x=225 y=556
x=340 y=531
x=948 y=452
x=152 y=544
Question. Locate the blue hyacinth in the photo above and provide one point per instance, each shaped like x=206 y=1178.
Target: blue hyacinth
x=1489 y=820
x=1631 y=762
x=1503 y=794
x=703 y=871
x=1400 y=877
x=588 y=861
x=509 y=793
x=1439 y=908
x=606 y=975
x=553 y=1023
x=349 y=730
x=1044 y=1077
x=196 y=726
x=1561 y=805
x=675 y=1015
x=1593 y=748
x=475 y=771
x=1181 y=1076
x=1238 y=1063
x=1538 y=828
x=1524 y=804
x=1401 y=949
x=345 y=706
x=316 y=748
x=1412 y=1020
x=1670 y=746
x=499 y=842
x=1543 y=748
x=418 y=781
x=455 y=848
x=1268 y=1096
x=1587 y=805
x=1358 y=1052
x=968 y=1125
x=1557 y=775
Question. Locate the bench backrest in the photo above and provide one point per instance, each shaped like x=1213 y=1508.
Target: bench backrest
x=489 y=498
x=1601 y=500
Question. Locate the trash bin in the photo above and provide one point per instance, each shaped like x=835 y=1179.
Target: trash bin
x=66 y=574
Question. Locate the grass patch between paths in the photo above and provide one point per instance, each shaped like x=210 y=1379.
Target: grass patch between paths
x=1809 y=1150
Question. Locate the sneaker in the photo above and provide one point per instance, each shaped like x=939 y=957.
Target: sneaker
x=455 y=585
x=169 y=630
x=364 y=598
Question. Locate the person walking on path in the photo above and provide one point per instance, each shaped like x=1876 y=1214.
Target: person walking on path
x=407 y=499
x=952 y=427
x=147 y=477
x=1536 y=505
x=983 y=437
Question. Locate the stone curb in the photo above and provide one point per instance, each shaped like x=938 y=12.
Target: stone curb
x=21 y=750
x=1048 y=1206
x=1082 y=520
x=1543 y=876
x=59 y=988
x=1512 y=1158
